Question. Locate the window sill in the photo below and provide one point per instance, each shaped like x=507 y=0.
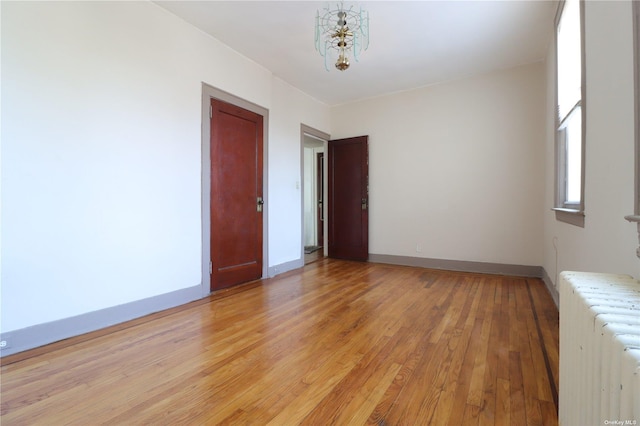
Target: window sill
x=570 y=216
x=635 y=219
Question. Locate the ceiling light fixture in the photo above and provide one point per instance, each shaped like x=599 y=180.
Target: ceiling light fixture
x=339 y=31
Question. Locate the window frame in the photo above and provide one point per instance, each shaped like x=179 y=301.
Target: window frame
x=635 y=217
x=572 y=213
x=636 y=71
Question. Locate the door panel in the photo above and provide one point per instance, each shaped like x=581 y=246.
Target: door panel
x=236 y=187
x=349 y=199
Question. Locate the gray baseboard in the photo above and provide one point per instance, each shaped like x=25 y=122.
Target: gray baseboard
x=43 y=334
x=553 y=291
x=459 y=265
x=285 y=267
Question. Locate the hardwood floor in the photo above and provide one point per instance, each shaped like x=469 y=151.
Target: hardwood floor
x=313 y=257
x=337 y=342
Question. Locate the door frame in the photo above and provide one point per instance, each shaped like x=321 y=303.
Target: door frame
x=314 y=133
x=209 y=92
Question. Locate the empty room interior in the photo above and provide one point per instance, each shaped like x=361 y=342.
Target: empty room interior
x=300 y=212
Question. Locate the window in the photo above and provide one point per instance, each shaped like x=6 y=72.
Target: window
x=570 y=123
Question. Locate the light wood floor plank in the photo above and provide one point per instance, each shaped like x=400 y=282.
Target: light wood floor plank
x=337 y=342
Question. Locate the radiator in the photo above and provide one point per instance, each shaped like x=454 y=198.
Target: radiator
x=599 y=349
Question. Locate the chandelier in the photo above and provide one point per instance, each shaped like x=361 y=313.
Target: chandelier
x=340 y=31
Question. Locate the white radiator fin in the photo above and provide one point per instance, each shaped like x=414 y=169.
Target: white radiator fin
x=599 y=349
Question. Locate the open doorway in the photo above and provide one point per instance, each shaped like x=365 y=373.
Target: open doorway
x=313 y=194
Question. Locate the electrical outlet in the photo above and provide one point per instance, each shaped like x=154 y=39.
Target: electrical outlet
x=418 y=248
x=4 y=344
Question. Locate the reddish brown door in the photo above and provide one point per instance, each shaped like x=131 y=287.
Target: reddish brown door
x=236 y=195
x=320 y=188
x=349 y=198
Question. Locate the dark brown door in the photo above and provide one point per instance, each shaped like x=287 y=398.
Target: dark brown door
x=236 y=195
x=348 y=198
x=320 y=187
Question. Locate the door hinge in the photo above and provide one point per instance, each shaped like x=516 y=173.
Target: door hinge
x=210 y=111
x=210 y=268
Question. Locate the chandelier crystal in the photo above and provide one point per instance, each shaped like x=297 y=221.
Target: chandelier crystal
x=340 y=32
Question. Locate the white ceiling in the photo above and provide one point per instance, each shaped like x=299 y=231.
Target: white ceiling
x=412 y=43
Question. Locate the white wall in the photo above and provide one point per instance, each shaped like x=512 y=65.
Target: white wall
x=101 y=158
x=291 y=107
x=101 y=142
x=455 y=169
x=607 y=243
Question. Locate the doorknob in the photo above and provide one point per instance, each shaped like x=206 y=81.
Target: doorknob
x=260 y=202
x=364 y=204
